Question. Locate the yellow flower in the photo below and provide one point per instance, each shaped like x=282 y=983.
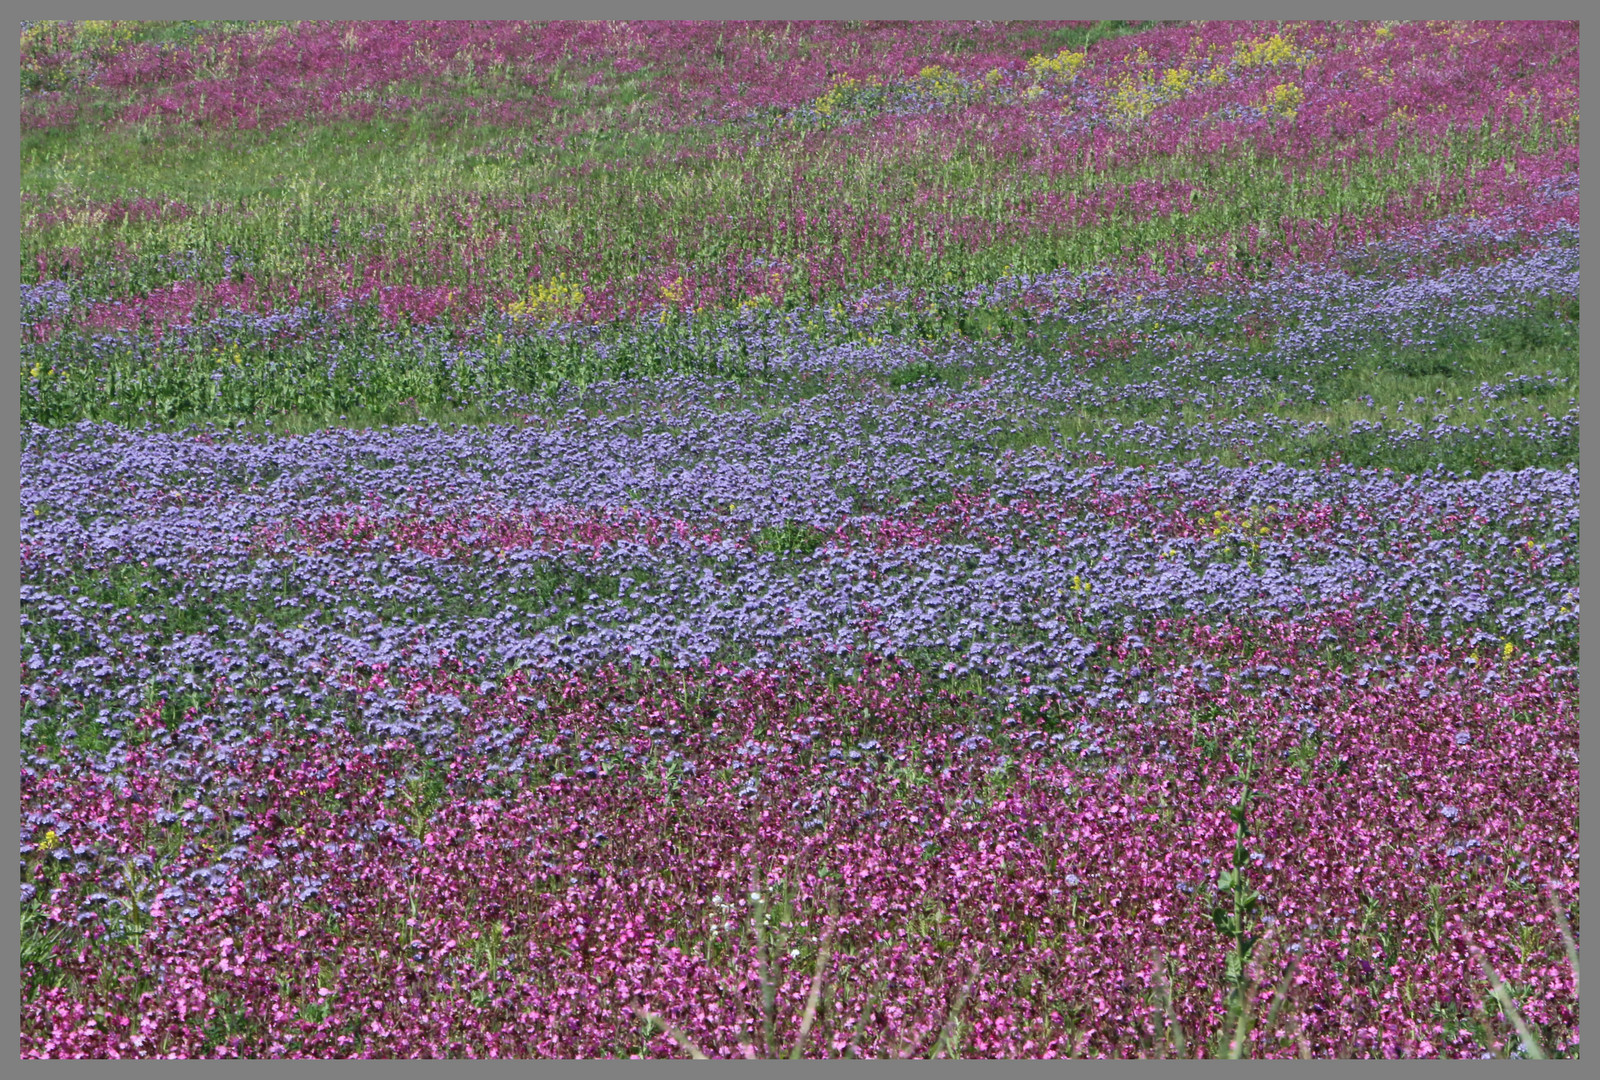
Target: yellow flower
x=1274 y=50
x=1286 y=100
x=547 y=300
x=1177 y=81
x=1064 y=64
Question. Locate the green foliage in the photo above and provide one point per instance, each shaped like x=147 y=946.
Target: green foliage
x=60 y=55
x=1083 y=37
x=370 y=377
x=792 y=538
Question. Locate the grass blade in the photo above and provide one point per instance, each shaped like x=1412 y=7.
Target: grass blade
x=814 y=998
x=1174 y=1025
x=954 y=1015
x=764 y=966
x=1300 y=1039
x=1566 y=936
x=861 y=1021
x=1282 y=993
x=1241 y=1030
x=1502 y=994
x=678 y=1036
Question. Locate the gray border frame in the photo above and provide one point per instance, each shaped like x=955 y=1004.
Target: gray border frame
x=714 y=9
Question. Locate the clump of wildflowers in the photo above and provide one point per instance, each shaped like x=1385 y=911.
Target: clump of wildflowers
x=1275 y=51
x=1285 y=100
x=1063 y=66
x=549 y=300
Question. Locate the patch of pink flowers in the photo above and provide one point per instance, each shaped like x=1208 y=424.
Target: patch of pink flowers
x=1043 y=881
x=1418 y=92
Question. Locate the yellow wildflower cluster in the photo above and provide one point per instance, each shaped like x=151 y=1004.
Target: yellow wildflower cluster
x=1531 y=104
x=1243 y=532
x=944 y=84
x=841 y=94
x=1135 y=94
x=1507 y=650
x=1272 y=52
x=1175 y=82
x=851 y=95
x=1226 y=523
x=547 y=300
x=1063 y=65
x=1285 y=100
x=100 y=37
x=672 y=297
x=115 y=32
x=60 y=30
x=1133 y=97
x=55 y=52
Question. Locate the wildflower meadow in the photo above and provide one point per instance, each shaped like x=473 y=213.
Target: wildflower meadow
x=1001 y=539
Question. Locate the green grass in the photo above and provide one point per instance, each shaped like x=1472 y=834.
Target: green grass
x=1084 y=37
x=91 y=43
x=294 y=388
x=605 y=204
